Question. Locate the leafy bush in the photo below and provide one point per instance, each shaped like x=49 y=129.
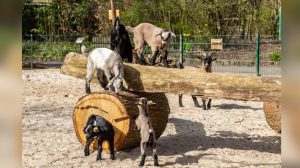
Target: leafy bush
x=50 y=51
x=275 y=57
x=187 y=47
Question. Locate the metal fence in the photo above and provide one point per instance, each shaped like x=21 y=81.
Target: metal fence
x=257 y=55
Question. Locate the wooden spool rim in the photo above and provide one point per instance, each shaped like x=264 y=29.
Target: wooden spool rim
x=113 y=98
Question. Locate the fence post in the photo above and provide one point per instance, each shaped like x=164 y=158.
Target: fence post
x=257 y=54
x=31 y=52
x=181 y=49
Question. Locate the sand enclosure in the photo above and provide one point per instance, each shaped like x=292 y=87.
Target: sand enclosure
x=231 y=134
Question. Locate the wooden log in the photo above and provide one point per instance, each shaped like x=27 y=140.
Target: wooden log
x=188 y=80
x=273 y=115
x=120 y=110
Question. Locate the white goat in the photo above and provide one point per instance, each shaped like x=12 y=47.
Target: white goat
x=157 y=38
x=108 y=63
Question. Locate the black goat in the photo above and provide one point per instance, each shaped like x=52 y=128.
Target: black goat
x=97 y=128
x=120 y=41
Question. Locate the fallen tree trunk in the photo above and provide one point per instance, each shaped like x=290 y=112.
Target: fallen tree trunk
x=188 y=81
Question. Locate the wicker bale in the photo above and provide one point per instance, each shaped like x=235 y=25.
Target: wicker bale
x=273 y=115
x=120 y=109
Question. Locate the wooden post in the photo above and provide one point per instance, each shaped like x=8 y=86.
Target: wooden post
x=113 y=12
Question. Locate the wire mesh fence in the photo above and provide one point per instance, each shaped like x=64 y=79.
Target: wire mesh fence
x=236 y=55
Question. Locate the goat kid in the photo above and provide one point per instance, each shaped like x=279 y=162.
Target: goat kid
x=108 y=64
x=206 y=61
x=144 y=124
x=97 y=128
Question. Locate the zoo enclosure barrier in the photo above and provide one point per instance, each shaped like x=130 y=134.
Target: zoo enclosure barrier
x=254 y=55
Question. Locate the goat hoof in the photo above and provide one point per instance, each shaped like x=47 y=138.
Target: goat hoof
x=197 y=106
x=156 y=164
x=98 y=158
x=141 y=164
x=86 y=153
x=112 y=157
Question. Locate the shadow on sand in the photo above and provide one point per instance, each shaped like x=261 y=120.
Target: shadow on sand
x=191 y=136
x=235 y=106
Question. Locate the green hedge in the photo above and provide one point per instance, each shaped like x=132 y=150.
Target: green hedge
x=49 y=51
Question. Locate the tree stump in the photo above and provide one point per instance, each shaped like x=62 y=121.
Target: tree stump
x=120 y=110
x=273 y=115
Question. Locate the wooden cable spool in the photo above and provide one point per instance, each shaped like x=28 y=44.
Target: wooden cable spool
x=273 y=115
x=120 y=110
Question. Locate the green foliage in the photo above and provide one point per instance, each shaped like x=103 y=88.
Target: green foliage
x=200 y=17
x=50 y=51
x=60 y=17
x=187 y=47
x=275 y=57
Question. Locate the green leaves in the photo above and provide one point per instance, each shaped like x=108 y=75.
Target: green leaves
x=201 y=17
x=275 y=57
x=48 y=51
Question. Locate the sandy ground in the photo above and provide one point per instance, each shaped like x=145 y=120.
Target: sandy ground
x=231 y=134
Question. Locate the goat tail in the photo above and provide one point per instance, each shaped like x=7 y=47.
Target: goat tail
x=130 y=29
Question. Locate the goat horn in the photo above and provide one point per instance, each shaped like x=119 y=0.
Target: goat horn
x=151 y=102
x=125 y=84
x=111 y=82
x=159 y=34
x=173 y=34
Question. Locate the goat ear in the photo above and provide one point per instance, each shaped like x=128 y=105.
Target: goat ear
x=172 y=34
x=213 y=53
x=125 y=84
x=117 y=22
x=200 y=57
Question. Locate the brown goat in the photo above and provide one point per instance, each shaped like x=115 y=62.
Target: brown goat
x=157 y=38
x=144 y=125
x=206 y=63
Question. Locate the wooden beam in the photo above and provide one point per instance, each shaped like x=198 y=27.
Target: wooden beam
x=188 y=81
